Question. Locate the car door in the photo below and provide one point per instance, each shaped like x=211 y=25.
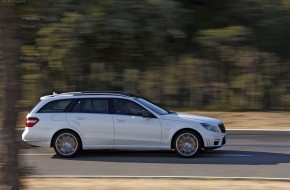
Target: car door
x=91 y=116
x=131 y=128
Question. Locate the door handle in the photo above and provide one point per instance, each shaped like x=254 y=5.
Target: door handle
x=80 y=118
x=119 y=120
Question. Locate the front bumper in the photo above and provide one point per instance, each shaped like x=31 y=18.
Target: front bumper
x=215 y=141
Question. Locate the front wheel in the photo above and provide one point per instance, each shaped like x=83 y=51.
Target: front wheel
x=67 y=144
x=187 y=144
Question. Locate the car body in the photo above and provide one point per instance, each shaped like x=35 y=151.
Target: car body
x=76 y=121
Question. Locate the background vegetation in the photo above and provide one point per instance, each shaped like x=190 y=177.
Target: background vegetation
x=222 y=55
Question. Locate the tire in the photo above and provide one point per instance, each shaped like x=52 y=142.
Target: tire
x=67 y=144
x=187 y=144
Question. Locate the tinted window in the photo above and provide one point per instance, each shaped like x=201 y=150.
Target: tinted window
x=127 y=107
x=77 y=107
x=98 y=105
x=55 y=106
x=151 y=106
x=88 y=106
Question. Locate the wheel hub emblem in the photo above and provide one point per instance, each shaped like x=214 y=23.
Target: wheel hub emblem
x=187 y=145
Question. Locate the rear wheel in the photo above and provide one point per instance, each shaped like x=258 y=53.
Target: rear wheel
x=67 y=144
x=187 y=144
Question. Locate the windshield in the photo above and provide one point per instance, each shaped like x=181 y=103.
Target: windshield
x=151 y=106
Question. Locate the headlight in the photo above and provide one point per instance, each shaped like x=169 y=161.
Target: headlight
x=210 y=127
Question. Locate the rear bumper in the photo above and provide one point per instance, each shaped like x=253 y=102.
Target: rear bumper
x=33 y=140
x=37 y=143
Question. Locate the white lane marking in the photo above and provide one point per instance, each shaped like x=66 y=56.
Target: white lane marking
x=228 y=155
x=45 y=154
x=219 y=155
x=177 y=177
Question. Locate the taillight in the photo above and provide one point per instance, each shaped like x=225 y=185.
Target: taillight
x=31 y=121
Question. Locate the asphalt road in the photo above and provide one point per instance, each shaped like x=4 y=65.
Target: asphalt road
x=247 y=154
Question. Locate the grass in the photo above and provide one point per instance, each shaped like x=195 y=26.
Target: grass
x=251 y=120
x=150 y=184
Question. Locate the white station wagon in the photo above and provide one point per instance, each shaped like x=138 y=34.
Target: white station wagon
x=75 y=121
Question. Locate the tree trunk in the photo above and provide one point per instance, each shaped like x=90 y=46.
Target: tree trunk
x=10 y=59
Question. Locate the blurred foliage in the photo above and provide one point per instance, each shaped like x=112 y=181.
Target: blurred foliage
x=203 y=54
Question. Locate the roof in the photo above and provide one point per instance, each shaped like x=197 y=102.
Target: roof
x=86 y=93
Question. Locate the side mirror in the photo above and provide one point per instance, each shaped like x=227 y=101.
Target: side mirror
x=146 y=113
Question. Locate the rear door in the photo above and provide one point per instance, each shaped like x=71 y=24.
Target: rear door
x=92 y=117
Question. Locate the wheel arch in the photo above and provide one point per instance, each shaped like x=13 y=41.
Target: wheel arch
x=186 y=129
x=67 y=129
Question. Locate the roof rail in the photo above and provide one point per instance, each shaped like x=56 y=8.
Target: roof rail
x=104 y=92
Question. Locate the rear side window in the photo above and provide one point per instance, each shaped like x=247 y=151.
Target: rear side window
x=55 y=106
x=97 y=105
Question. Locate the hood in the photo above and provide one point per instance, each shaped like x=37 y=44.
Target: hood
x=191 y=118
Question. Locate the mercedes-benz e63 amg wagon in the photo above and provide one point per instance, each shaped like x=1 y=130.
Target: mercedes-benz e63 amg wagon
x=75 y=121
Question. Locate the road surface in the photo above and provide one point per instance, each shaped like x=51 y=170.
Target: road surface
x=247 y=154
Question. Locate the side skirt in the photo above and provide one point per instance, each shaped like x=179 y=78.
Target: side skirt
x=125 y=147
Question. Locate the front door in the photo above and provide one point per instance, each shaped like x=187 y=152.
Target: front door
x=133 y=130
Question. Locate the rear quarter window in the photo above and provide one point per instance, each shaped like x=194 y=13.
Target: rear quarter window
x=35 y=106
x=56 y=106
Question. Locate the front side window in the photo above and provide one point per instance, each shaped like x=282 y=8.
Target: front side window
x=127 y=107
x=152 y=106
x=55 y=106
x=98 y=105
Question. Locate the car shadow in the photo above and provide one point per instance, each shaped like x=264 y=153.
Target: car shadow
x=226 y=157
